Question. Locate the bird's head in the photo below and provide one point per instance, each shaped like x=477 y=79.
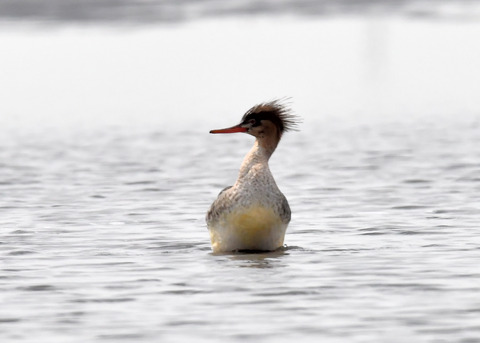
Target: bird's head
x=266 y=120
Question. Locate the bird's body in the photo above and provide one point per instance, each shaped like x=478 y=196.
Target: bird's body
x=253 y=214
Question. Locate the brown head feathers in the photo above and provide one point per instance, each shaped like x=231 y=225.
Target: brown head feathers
x=275 y=111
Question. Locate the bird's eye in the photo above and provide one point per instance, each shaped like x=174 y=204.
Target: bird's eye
x=252 y=121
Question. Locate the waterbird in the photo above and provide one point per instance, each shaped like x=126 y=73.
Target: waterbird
x=253 y=214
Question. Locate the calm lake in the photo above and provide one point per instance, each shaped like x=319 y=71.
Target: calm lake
x=107 y=170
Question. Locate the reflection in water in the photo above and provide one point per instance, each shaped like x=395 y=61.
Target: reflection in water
x=258 y=259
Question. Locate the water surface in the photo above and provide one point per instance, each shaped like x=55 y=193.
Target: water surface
x=103 y=236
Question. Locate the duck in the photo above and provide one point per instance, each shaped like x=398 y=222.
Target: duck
x=253 y=214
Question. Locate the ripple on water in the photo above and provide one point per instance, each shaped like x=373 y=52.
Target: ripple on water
x=38 y=288
x=382 y=243
x=21 y=252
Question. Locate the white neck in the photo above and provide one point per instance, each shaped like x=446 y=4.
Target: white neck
x=257 y=157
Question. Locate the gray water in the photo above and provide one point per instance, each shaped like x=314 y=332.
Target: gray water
x=103 y=236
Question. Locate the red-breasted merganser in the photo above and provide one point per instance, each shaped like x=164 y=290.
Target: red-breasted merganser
x=253 y=214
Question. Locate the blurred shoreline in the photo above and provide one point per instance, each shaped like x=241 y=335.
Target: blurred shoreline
x=103 y=68
x=141 y=12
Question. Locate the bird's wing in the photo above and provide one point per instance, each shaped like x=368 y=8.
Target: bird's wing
x=218 y=206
